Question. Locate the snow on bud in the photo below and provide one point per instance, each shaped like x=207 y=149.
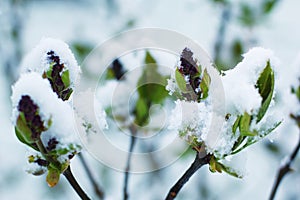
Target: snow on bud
x=54 y=60
x=39 y=114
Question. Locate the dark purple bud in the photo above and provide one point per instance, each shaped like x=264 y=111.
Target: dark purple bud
x=26 y=105
x=42 y=162
x=52 y=144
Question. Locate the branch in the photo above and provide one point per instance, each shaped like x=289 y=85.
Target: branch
x=99 y=192
x=197 y=164
x=69 y=176
x=284 y=169
x=221 y=32
x=126 y=178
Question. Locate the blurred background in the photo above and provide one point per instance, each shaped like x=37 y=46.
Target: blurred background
x=225 y=29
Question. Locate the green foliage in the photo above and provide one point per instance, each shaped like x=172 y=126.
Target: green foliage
x=180 y=80
x=65 y=76
x=296 y=91
x=216 y=166
x=244 y=125
x=151 y=90
x=268 y=6
x=265 y=85
x=204 y=85
x=23 y=132
x=247 y=16
x=63 y=91
x=52 y=176
x=81 y=50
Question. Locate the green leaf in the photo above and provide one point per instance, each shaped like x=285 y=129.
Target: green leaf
x=110 y=75
x=21 y=139
x=49 y=71
x=212 y=165
x=65 y=76
x=23 y=131
x=229 y=171
x=149 y=58
x=265 y=85
x=52 y=177
x=236 y=124
x=151 y=85
x=180 y=80
x=296 y=91
x=268 y=5
x=142 y=112
x=244 y=125
x=252 y=140
x=204 y=85
x=247 y=17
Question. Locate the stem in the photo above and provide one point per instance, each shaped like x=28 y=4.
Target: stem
x=69 y=176
x=99 y=192
x=221 y=33
x=197 y=164
x=67 y=173
x=131 y=146
x=284 y=169
x=44 y=152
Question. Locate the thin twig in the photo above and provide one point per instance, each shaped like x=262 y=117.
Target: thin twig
x=44 y=152
x=197 y=164
x=221 y=32
x=284 y=169
x=131 y=146
x=99 y=192
x=69 y=176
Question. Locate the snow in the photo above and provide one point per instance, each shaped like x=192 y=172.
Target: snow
x=239 y=82
x=198 y=120
x=190 y=119
x=90 y=114
x=37 y=59
x=171 y=84
x=50 y=108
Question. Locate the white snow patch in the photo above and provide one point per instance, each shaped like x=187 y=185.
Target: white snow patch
x=50 y=107
x=37 y=59
x=239 y=83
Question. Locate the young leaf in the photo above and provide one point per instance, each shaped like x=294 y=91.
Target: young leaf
x=244 y=125
x=204 y=85
x=180 y=80
x=265 y=85
x=142 y=112
x=52 y=177
x=149 y=58
x=23 y=131
x=65 y=76
x=236 y=124
x=229 y=171
x=268 y=5
x=21 y=139
x=152 y=83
